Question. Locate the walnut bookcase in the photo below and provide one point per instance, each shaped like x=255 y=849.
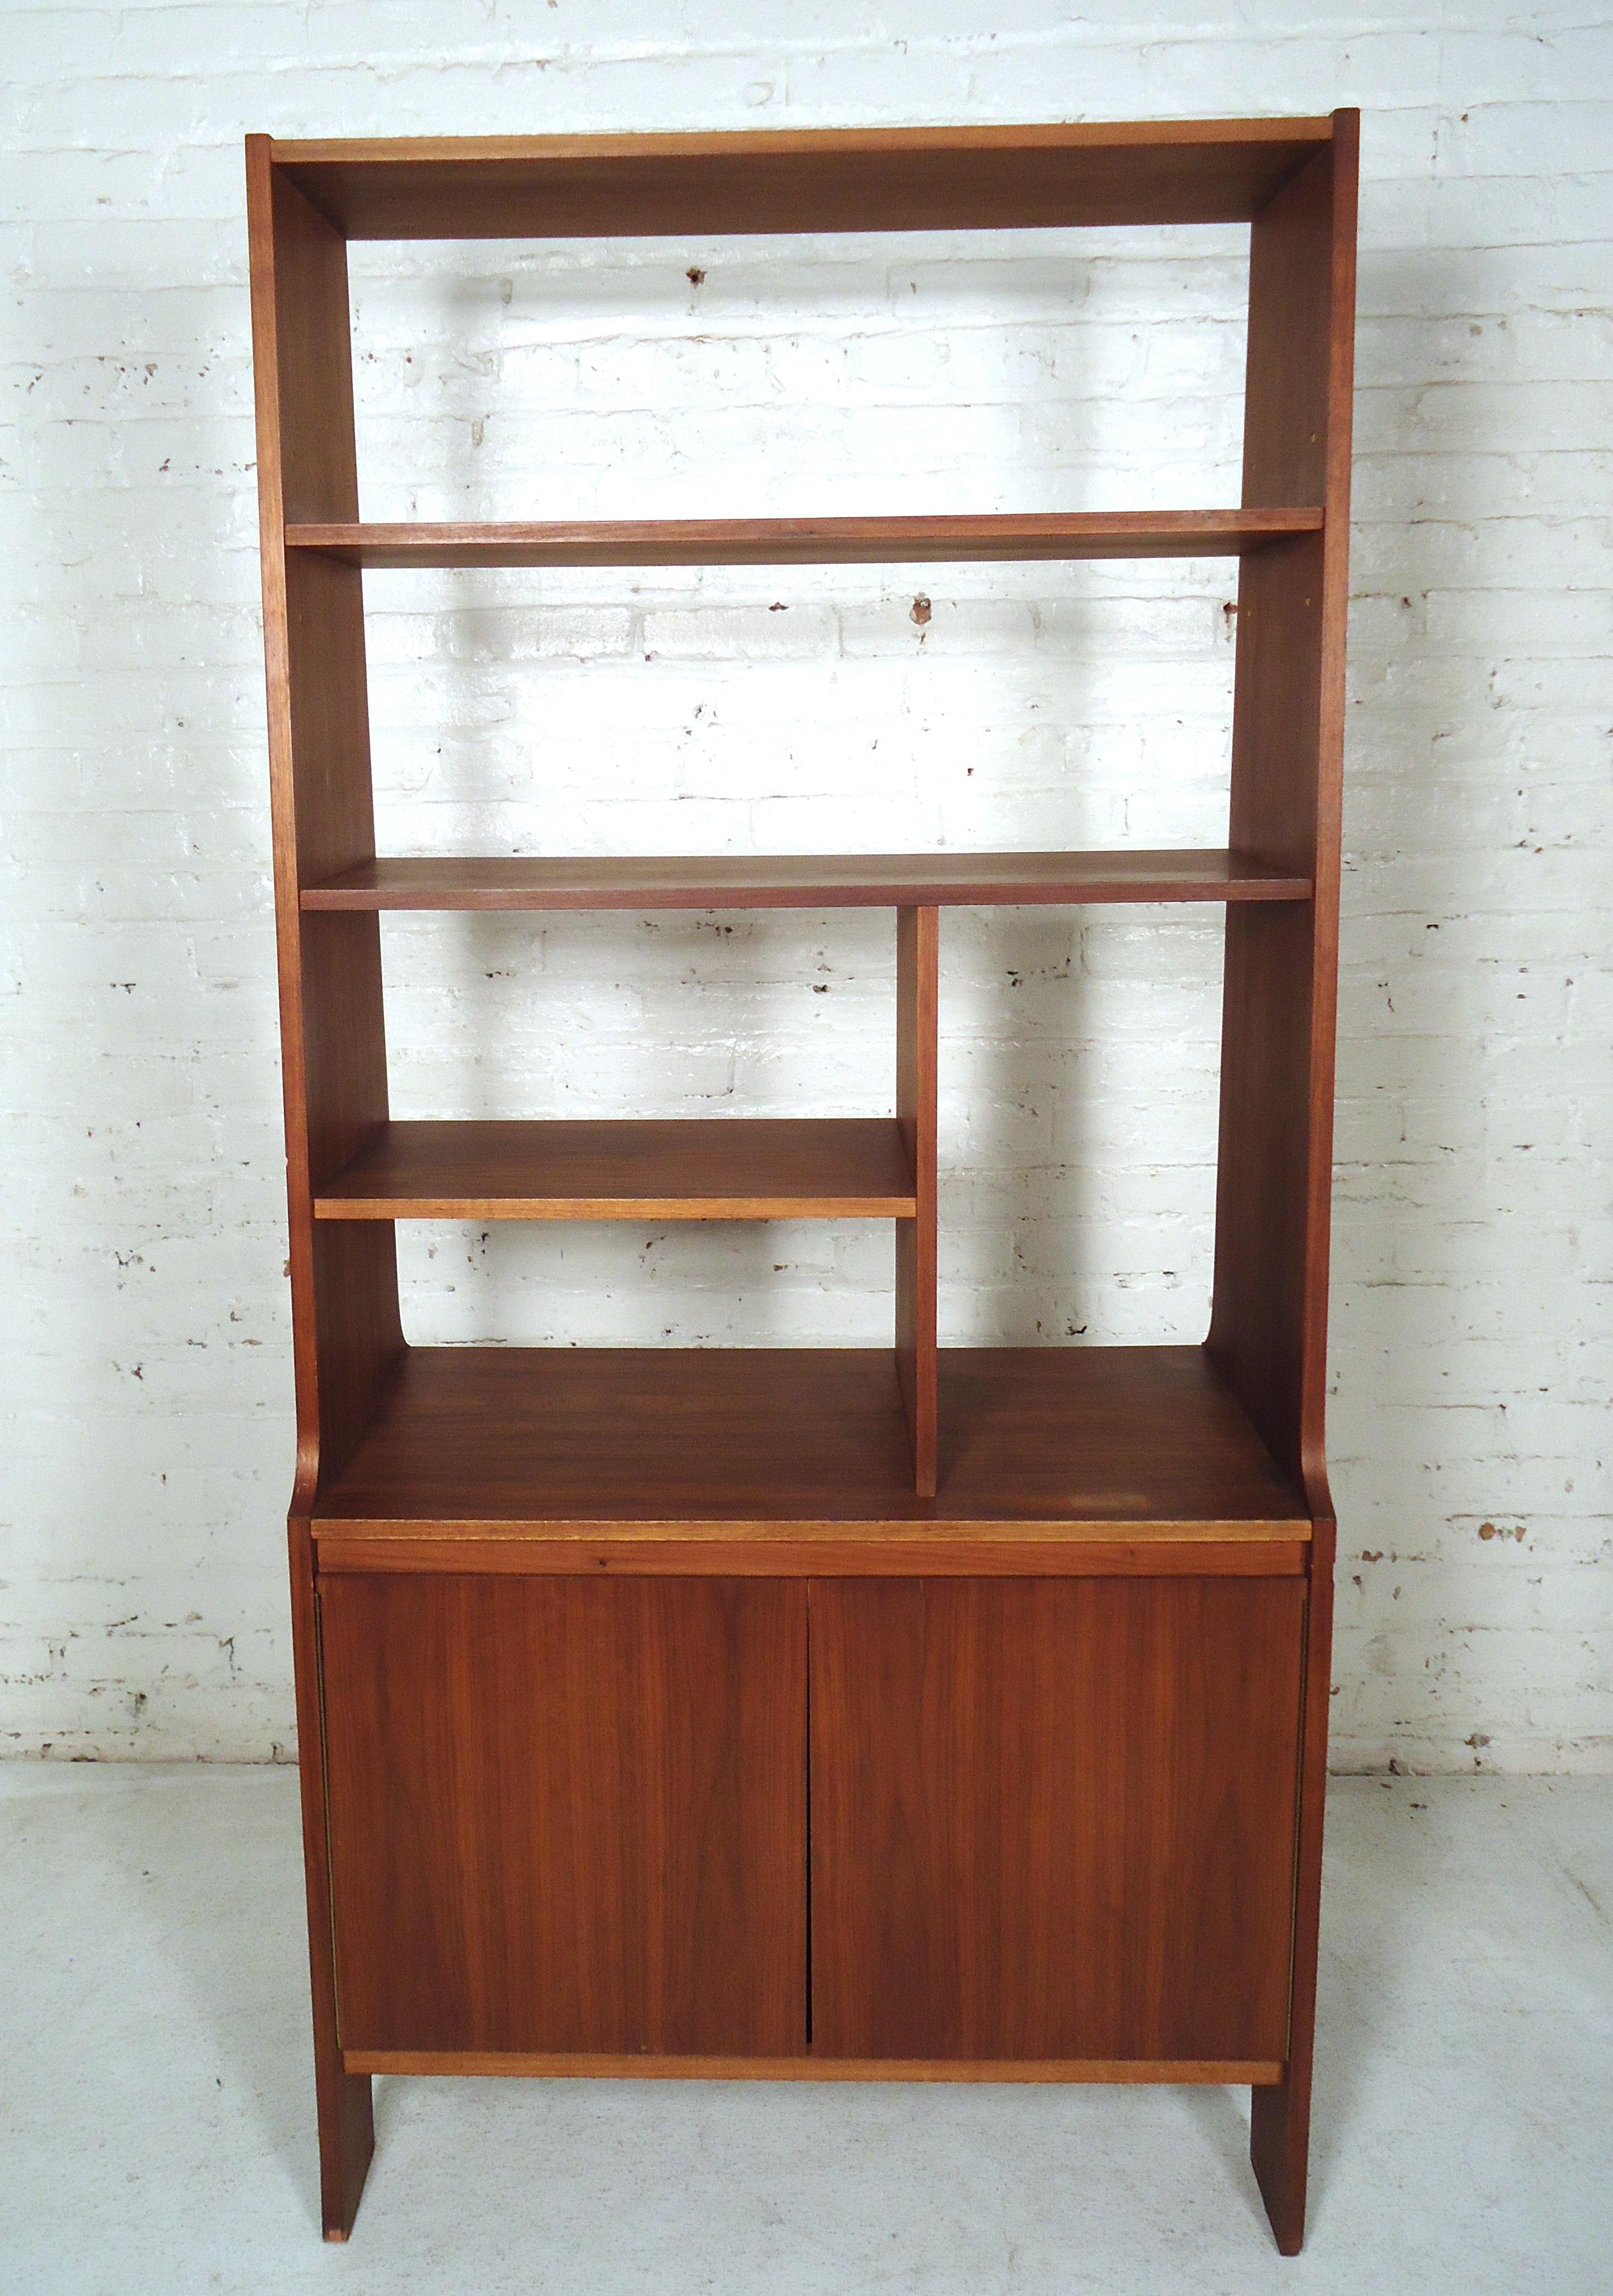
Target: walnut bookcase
x=869 y=1714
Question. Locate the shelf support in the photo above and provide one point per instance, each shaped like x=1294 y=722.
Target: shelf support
x=918 y=943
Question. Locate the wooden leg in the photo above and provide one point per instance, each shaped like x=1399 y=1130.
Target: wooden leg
x=1280 y=2126
x=346 y=2139
x=346 y=2125
x=1279 y=2132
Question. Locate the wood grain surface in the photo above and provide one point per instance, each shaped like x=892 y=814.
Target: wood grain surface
x=1269 y=1324
x=1114 y=1437
x=558 y=1614
x=343 y=2097
x=823 y=1550
x=838 y=180
x=796 y=880
x=974 y=178
x=346 y=1331
x=723 y=1168
x=918 y=960
x=948 y=538
x=1053 y=1819
x=344 y=1299
x=529 y=2065
x=1268 y=1328
x=567 y=1814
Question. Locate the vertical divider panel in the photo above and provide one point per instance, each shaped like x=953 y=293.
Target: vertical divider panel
x=344 y=1276
x=918 y=940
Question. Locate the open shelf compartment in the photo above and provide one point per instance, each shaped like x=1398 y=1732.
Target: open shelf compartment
x=720 y=1168
x=653 y=1451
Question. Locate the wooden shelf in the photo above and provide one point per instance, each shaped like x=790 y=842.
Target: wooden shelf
x=803 y=1451
x=800 y=880
x=812 y=541
x=859 y=179
x=725 y=1167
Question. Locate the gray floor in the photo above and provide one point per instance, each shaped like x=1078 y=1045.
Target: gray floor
x=155 y=2111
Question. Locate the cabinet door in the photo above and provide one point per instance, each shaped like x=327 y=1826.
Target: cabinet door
x=567 y=1814
x=1053 y=1819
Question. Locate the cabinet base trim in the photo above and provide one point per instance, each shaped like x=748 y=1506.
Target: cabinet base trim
x=1243 y=2072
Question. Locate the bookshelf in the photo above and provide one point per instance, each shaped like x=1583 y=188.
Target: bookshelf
x=844 y=1713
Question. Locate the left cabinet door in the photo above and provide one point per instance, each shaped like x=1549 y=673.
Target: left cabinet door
x=567 y=1816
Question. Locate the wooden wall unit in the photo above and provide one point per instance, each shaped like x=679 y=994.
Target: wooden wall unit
x=876 y=1714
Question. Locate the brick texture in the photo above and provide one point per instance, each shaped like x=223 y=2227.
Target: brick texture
x=142 y=1609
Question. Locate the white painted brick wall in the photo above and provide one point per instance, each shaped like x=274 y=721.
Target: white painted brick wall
x=147 y=1346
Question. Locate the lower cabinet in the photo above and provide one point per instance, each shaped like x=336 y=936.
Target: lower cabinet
x=1049 y=1820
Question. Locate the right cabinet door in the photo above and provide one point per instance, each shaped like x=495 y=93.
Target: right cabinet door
x=1053 y=1819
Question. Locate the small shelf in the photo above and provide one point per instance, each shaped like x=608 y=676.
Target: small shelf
x=723 y=1168
x=796 y=880
x=812 y=541
x=808 y=1446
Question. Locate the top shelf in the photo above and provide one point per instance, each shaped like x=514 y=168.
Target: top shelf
x=1179 y=171
x=814 y=541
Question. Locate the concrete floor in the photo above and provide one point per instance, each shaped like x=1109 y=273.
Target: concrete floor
x=156 y=2106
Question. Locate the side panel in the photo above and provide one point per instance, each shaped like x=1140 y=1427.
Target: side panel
x=567 y=1814
x=344 y=1286
x=1268 y=1330
x=344 y=1289
x=1053 y=1819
